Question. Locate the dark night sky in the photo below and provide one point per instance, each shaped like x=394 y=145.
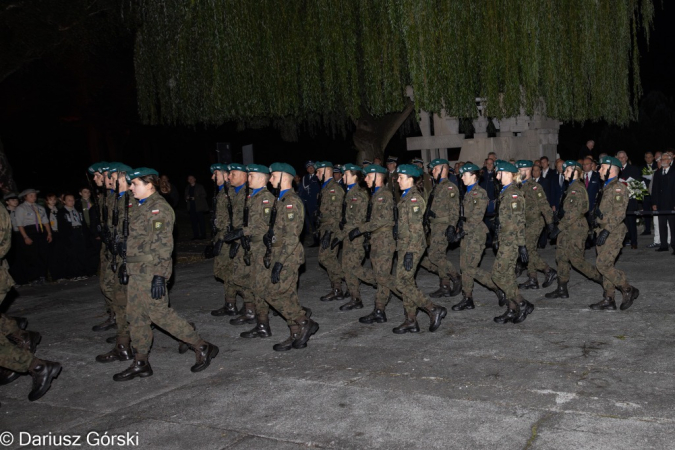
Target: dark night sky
x=57 y=116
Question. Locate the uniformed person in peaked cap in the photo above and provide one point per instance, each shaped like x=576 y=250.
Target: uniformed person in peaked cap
x=392 y=177
x=424 y=183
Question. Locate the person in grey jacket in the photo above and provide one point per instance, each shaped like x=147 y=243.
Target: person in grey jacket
x=195 y=196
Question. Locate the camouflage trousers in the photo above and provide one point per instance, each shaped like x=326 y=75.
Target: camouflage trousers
x=535 y=263
x=328 y=258
x=223 y=270
x=382 y=249
x=504 y=270
x=470 y=254
x=413 y=298
x=239 y=281
x=12 y=357
x=7 y=325
x=118 y=305
x=570 y=253
x=143 y=311
x=353 y=255
x=436 y=259
x=107 y=279
x=282 y=296
x=612 y=278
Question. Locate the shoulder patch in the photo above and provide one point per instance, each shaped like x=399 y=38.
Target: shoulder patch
x=289 y=206
x=155 y=211
x=414 y=199
x=534 y=188
x=514 y=195
x=265 y=201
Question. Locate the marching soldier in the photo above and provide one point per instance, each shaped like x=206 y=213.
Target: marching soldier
x=330 y=213
x=410 y=247
x=354 y=212
x=259 y=206
x=610 y=216
x=472 y=236
x=442 y=211
x=380 y=227
x=149 y=266
x=510 y=243
x=573 y=231
x=285 y=255
x=537 y=213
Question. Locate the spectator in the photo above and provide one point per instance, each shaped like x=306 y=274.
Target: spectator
x=337 y=176
x=547 y=174
x=557 y=185
x=168 y=191
x=308 y=191
x=647 y=175
x=487 y=182
x=73 y=245
x=33 y=224
x=592 y=181
x=86 y=207
x=195 y=196
x=57 y=268
x=587 y=150
x=392 y=177
x=16 y=267
x=492 y=156
x=537 y=163
x=377 y=161
x=630 y=171
x=663 y=193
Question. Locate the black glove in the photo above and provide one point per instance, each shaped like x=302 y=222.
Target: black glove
x=276 y=272
x=451 y=234
x=408 y=262
x=432 y=214
x=234 y=248
x=234 y=235
x=217 y=247
x=522 y=252
x=158 y=287
x=553 y=231
x=334 y=243
x=354 y=234
x=325 y=240
x=602 y=237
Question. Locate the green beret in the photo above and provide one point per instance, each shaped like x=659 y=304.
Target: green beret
x=322 y=164
x=468 y=168
x=282 y=167
x=570 y=163
x=374 y=168
x=118 y=167
x=350 y=166
x=104 y=166
x=218 y=166
x=504 y=166
x=524 y=163
x=437 y=162
x=409 y=169
x=95 y=167
x=258 y=168
x=612 y=161
x=140 y=172
x=237 y=166
x=499 y=161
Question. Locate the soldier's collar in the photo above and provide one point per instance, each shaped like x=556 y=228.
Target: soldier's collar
x=325 y=183
x=609 y=181
x=504 y=188
x=376 y=188
x=468 y=188
x=350 y=186
x=282 y=193
x=405 y=192
x=238 y=188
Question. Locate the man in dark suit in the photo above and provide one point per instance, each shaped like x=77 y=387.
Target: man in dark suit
x=587 y=150
x=487 y=182
x=547 y=173
x=650 y=164
x=557 y=181
x=591 y=180
x=630 y=171
x=663 y=196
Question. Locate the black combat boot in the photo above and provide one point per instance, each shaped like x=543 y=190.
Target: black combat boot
x=111 y=339
x=456 y=284
x=531 y=283
x=204 y=352
x=466 y=303
x=334 y=294
x=108 y=324
x=630 y=293
x=43 y=372
x=512 y=313
x=520 y=268
x=288 y=343
x=354 y=303
x=229 y=309
x=21 y=322
x=501 y=297
x=139 y=368
x=307 y=327
x=606 y=303
x=7 y=376
x=409 y=325
x=526 y=308
x=28 y=340
x=378 y=315
x=262 y=329
x=247 y=317
x=444 y=289
x=560 y=292
x=121 y=352
x=436 y=315
x=550 y=276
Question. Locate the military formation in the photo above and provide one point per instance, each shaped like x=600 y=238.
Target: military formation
x=400 y=218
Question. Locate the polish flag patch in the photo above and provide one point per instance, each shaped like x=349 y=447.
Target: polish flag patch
x=155 y=211
x=355 y=199
x=514 y=195
x=332 y=191
x=265 y=202
x=289 y=206
x=534 y=188
x=414 y=199
x=618 y=190
x=450 y=187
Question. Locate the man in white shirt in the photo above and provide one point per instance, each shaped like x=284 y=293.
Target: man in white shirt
x=33 y=225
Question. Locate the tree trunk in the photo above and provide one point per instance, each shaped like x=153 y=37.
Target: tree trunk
x=373 y=134
x=7 y=183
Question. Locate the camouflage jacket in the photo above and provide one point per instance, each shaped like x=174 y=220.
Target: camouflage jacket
x=411 y=236
x=150 y=241
x=238 y=200
x=287 y=229
x=575 y=206
x=512 y=215
x=613 y=205
x=475 y=205
x=6 y=281
x=446 y=203
x=536 y=204
x=259 y=212
x=392 y=178
x=222 y=210
x=331 y=206
x=382 y=214
x=356 y=208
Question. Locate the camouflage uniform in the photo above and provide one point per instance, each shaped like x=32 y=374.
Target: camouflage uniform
x=573 y=232
x=108 y=279
x=149 y=248
x=473 y=244
x=537 y=213
x=222 y=264
x=330 y=214
x=392 y=179
x=613 y=208
x=356 y=204
x=445 y=208
x=511 y=236
x=118 y=291
x=239 y=282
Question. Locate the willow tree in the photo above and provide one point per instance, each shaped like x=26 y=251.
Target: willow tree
x=329 y=63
